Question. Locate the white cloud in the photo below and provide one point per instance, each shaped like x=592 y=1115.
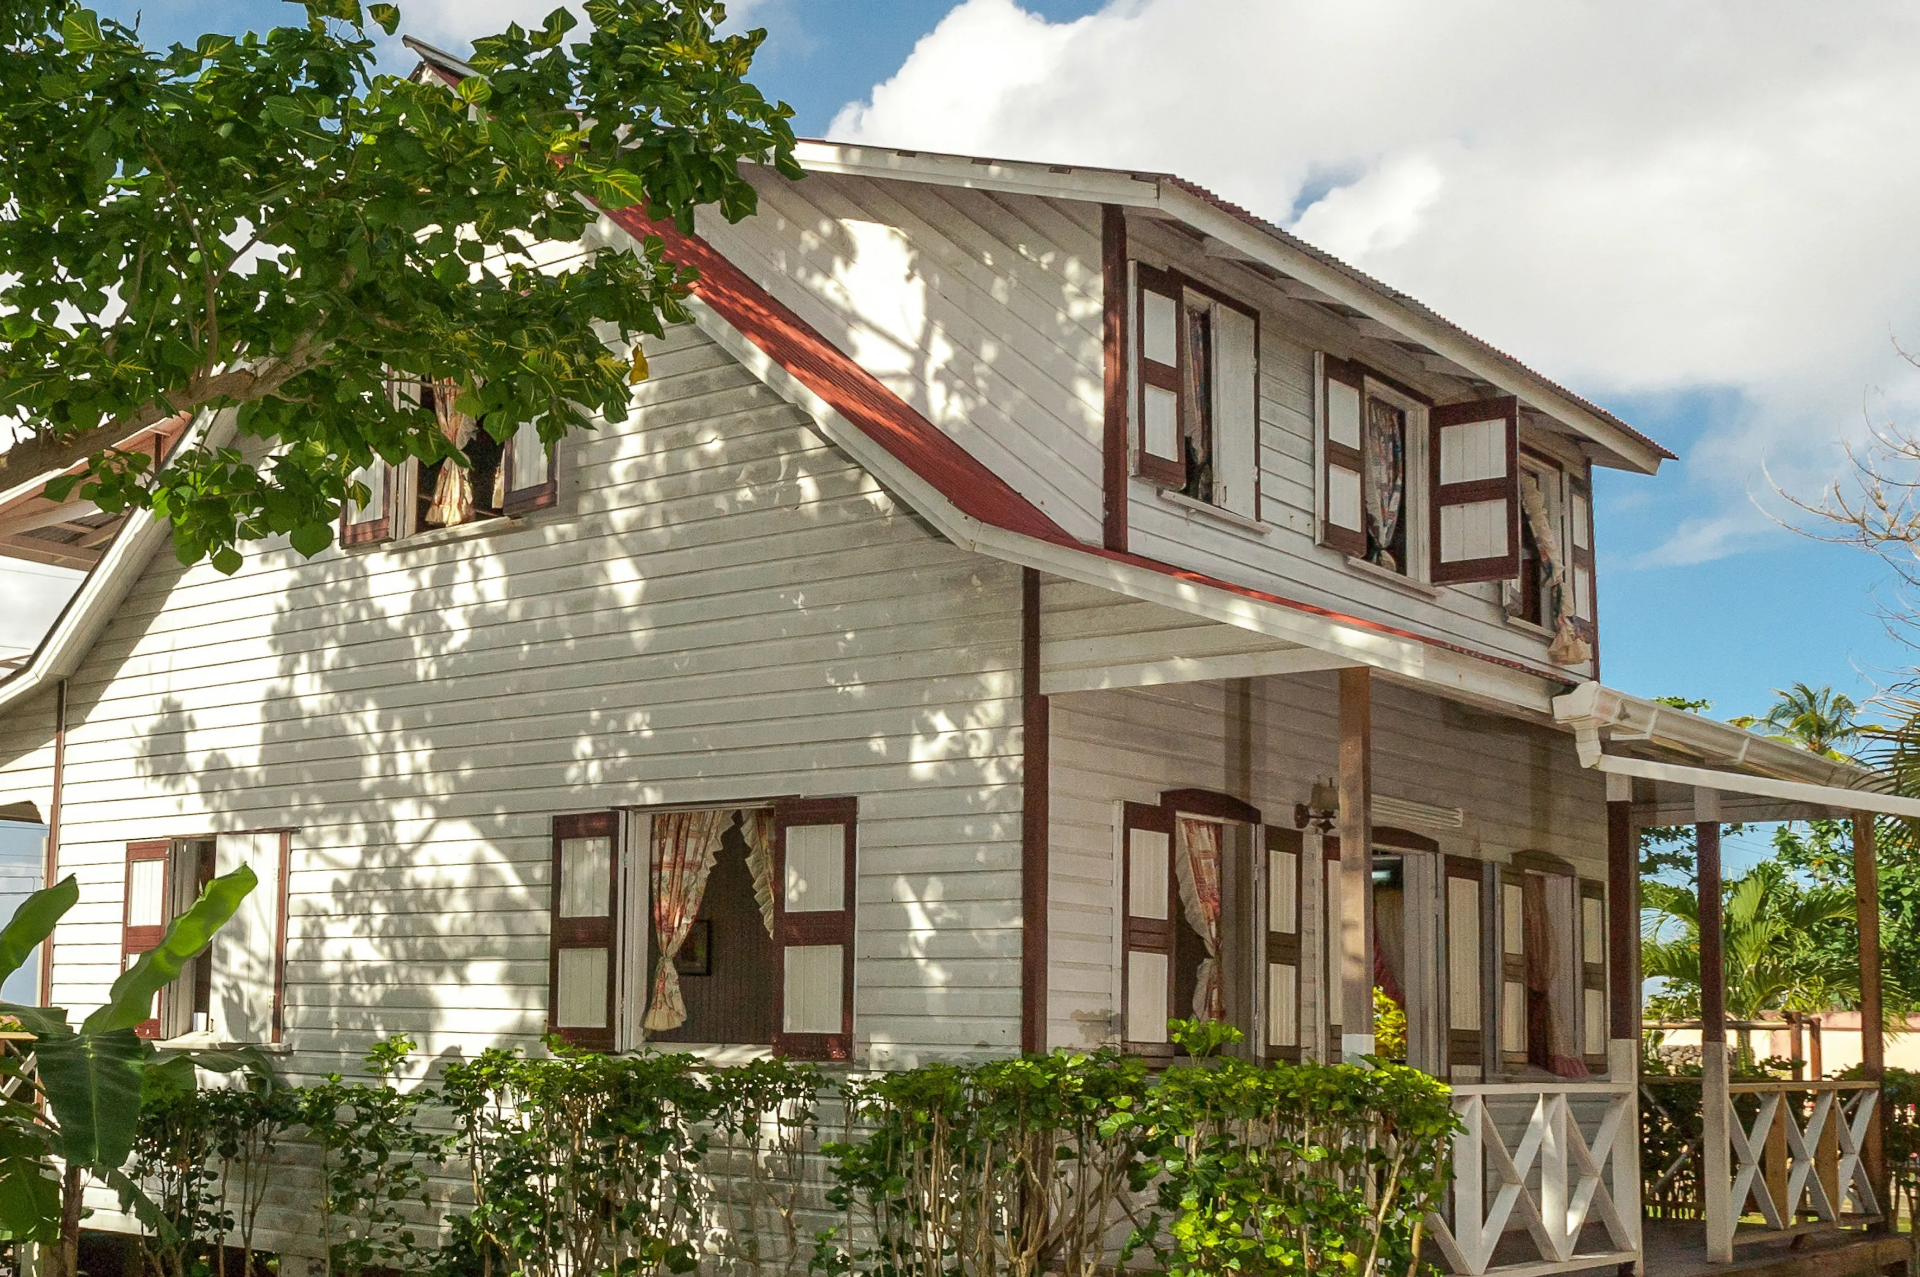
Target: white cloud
x=1636 y=197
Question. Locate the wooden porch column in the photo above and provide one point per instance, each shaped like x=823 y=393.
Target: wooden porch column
x=1623 y=997
x=1623 y=932
x=1035 y=823
x=1873 y=1042
x=1717 y=1192
x=1356 y=862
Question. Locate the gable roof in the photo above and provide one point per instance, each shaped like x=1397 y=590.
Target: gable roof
x=1228 y=231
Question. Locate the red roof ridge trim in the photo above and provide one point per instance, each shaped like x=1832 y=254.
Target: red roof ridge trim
x=848 y=388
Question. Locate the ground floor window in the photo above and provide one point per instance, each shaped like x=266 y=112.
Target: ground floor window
x=1211 y=925
x=234 y=991
x=723 y=925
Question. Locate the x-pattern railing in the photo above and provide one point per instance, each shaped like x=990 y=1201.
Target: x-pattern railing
x=1553 y=1182
x=1783 y=1193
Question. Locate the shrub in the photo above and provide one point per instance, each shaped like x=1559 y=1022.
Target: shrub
x=1219 y=1166
x=588 y=1163
x=204 y=1155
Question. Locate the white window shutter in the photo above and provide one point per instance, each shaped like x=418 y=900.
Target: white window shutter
x=1236 y=410
x=1342 y=464
x=246 y=952
x=1475 y=491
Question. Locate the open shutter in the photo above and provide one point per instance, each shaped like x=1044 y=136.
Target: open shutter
x=1342 y=467
x=814 y=848
x=585 y=901
x=366 y=524
x=1466 y=954
x=144 y=919
x=1283 y=943
x=1146 y=971
x=1236 y=411
x=1332 y=995
x=1593 y=974
x=1475 y=519
x=1513 y=969
x=1162 y=457
x=1580 y=552
x=529 y=465
x=247 y=955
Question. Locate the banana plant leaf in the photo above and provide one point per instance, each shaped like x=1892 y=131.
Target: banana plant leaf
x=93 y=1085
x=33 y=922
x=29 y=1199
x=130 y=1001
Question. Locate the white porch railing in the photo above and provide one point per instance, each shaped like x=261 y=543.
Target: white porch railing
x=1575 y=1161
x=1798 y=1176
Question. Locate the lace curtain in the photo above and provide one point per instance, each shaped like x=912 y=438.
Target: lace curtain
x=1386 y=479
x=758 y=830
x=453 y=491
x=1196 y=863
x=680 y=860
x=1568 y=647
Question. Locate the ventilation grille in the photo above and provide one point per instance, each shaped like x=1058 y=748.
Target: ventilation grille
x=1401 y=811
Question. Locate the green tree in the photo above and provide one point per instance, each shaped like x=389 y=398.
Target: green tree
x=1821 y=721
x=266 y=223
x=1770 y=964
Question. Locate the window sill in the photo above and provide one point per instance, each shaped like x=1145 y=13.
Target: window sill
x=206 y=1041
x=494 y=526
x=1223 y=515
x=1419 y=589
x=1520 y=623
x=713 y=1053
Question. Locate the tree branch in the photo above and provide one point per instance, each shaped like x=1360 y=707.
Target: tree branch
x=52 y=454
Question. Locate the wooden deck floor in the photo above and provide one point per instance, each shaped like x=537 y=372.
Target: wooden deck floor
x=1679 y=1249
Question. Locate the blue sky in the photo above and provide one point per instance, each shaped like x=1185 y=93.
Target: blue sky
x=1681 y=298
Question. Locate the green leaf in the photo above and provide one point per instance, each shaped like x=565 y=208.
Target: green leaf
x=133 y=1198
x=93 y=1082
x=386 y=15
x=311 y=538
x=80 y=29
x=130 y=1001
x=29 y=1200
x=33 y=922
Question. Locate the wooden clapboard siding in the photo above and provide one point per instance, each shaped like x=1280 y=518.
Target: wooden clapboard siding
x=1521 y=787
x=982 y=311
x=720 y=606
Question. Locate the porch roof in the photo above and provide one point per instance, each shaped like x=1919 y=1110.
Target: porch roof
x=1662 y=756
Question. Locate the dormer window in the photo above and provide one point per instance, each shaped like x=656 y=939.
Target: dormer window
x=499 y=480
x=1196 y=392
x=1426 y=491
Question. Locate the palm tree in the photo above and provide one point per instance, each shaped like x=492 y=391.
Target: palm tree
x=1821 y=721
x=1765 y=921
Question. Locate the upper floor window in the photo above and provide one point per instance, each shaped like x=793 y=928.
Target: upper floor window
x=1424 y=491
x=1196 y=392
x=1554 y=582
x=413 y=497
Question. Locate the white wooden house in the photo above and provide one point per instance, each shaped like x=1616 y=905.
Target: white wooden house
x=1028 y=603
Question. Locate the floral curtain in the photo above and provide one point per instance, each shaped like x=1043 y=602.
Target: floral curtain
x=759 y=834
x=453 y=492
x=1196 y=863
x=682 y=853
x=1386 y=479
x=1568 y=647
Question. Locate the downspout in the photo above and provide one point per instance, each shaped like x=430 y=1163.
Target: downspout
x=53 y=826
